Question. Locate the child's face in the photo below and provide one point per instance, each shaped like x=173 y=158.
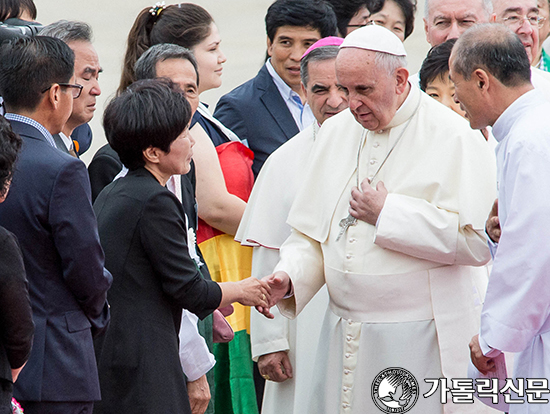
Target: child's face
x=442 y=89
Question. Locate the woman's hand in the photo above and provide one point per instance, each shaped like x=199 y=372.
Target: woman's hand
x=254 y=292
x=248 y=292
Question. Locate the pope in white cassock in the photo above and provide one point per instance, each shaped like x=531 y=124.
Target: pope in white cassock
x=285 y=349
x=493 y=85
x=397 y=255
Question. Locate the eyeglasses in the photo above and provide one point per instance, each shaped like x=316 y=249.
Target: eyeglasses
x=76 y=89
x=516 y=20
x=363 y=24
x=358 y=25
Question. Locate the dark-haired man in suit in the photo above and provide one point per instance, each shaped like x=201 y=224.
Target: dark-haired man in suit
x=50 y=212
x=270 y=109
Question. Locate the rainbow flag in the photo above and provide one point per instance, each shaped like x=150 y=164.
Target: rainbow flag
x=228 y=261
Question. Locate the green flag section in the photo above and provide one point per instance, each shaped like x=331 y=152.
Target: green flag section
x=228 y=261
x=235 y=392
x=205 y=330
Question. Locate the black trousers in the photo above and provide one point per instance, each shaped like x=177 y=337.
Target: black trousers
x=6 y=392
x=55 y=407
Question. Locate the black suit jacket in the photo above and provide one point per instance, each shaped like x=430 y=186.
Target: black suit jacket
x=256 y=111
x=16 y=326
x=50 y=212
x=143 y=230
x=103 y=169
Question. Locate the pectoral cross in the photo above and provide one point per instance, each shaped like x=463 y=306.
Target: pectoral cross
x=345 y=224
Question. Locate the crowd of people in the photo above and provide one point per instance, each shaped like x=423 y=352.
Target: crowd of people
x=386 y=226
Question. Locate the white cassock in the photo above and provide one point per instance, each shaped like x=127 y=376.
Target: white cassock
x=516 y=313
x=264 y=227
x=404 y=293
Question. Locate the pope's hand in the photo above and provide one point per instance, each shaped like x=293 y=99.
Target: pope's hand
x=275 y=366
x=492 y=226
x=482 y=363
x=367 y=204
x=280 y=285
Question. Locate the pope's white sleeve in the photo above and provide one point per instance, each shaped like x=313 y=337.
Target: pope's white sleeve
x=302 y=258
x=195 y=358
x=267 y=335
x=415 y=227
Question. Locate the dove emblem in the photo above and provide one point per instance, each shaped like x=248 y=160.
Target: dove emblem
x=395 y=390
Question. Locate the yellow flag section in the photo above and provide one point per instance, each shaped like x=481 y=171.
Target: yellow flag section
x=228 y=261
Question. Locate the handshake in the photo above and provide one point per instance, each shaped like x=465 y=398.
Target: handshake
x=264 y=293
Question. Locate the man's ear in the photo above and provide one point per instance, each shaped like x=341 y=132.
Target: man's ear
x=482 y=79
x=304 y=90
x=402 y=78
x=152 y=154
x=54 y=95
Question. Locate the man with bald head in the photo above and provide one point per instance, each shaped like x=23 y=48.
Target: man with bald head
x=390 y=215
x=448 y=19
x=493 y=85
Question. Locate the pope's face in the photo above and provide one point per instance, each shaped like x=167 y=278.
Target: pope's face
x=448 y=19
x=323 y=94
x=373 y=94
x=468 y=95
x=512 y=13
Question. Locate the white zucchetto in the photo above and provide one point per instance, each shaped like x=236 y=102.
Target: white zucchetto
x=375 y=38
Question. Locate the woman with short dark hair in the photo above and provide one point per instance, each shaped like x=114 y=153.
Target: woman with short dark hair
x=142 y=227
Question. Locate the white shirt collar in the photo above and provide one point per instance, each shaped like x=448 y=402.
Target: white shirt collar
x=66 y=140
x=285 y=90
x=300 y=112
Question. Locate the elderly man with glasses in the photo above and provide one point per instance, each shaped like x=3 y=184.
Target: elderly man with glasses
x=522 y=17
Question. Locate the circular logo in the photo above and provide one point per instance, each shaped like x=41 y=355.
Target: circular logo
x=395 y=390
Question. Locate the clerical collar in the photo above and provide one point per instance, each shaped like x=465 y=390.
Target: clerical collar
x=407 y=108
